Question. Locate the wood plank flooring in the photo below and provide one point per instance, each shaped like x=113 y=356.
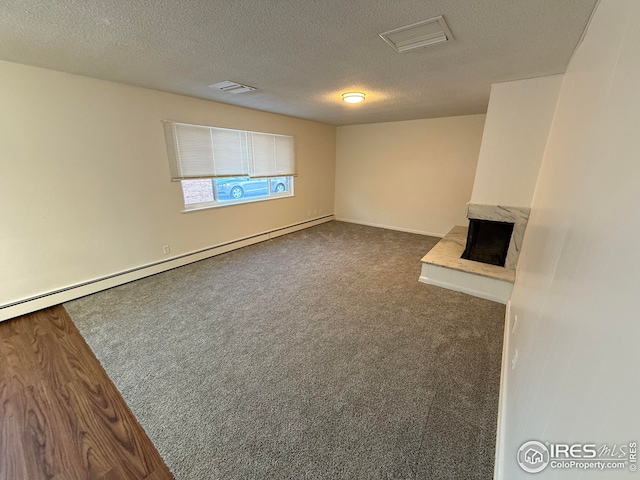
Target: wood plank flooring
x=61 y=417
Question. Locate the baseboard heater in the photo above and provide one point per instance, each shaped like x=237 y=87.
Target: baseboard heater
x=65 y=294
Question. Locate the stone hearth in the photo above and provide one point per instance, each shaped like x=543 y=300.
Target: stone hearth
x=444 y=267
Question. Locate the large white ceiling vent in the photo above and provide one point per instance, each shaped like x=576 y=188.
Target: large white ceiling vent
x=232 y=87
x=418 y=35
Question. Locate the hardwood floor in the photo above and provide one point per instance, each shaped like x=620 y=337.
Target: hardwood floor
x=61 y=417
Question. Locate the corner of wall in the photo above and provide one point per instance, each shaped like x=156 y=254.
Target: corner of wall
x=498 y=473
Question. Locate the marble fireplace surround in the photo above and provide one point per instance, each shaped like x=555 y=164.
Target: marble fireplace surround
x=519 y=216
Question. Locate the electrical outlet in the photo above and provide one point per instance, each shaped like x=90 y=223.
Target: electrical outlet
x=315 y=212
x=514 y=360
x=515 y=322
x=166 y=249
x=309 y=214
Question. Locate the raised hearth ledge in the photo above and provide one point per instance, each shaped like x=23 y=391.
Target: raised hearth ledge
x=443 y=267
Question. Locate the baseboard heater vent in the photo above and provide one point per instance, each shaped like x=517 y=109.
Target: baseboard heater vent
x=55 y=297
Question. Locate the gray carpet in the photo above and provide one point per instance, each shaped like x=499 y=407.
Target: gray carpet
x=313 y=355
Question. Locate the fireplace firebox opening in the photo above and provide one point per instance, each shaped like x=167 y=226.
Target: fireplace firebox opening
x=488 y=241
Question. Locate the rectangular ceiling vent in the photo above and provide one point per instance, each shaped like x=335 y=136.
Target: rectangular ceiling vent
x=232 y=87
x=418 y=35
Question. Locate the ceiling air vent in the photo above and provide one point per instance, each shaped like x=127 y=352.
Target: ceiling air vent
x=418 y=35
x=232 y=87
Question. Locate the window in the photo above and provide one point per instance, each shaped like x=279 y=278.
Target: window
x=229 y=190
x=221 y=166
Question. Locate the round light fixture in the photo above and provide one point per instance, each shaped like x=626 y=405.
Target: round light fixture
x=353 y=97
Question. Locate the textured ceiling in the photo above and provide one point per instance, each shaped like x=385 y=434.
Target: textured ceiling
x=300 y=54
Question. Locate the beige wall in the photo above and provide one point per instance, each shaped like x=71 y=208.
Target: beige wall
x=85 y=190
x=515 y=135
x=413 y=175
x=577 y=377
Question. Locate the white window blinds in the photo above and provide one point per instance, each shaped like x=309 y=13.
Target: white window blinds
x=197 y=151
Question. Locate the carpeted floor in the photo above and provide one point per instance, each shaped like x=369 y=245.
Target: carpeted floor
x=313 y=355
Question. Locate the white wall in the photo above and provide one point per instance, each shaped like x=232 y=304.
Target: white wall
x=515 y=135
x=577 y=378
x=85 y=190
x=414 y=175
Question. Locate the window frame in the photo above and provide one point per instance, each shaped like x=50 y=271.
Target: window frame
x=216 y=203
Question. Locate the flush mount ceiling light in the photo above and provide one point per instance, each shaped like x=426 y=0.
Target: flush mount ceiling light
x=353 y=97
x=418 y=35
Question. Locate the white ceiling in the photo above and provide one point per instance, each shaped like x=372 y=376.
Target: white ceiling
x=300 y=54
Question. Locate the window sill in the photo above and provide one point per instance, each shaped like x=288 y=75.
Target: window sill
x=237 y=202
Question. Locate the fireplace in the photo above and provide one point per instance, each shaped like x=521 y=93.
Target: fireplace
x=488 y=241
x=490 y=228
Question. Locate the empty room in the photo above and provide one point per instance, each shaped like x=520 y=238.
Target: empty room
x=277 y=239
